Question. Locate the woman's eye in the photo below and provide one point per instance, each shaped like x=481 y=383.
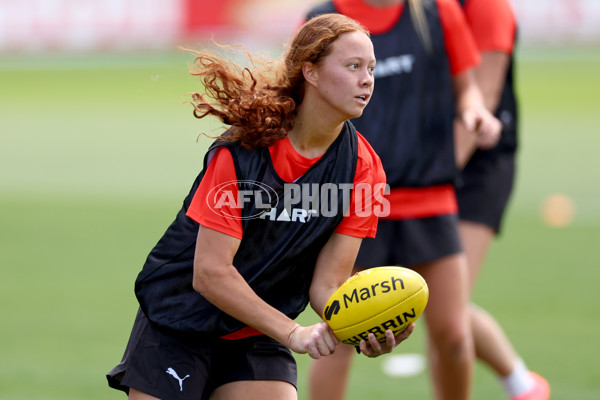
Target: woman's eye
x=371 y=69
x=353 y=66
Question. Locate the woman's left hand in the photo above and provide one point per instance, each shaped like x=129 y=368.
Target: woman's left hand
x=373 y=348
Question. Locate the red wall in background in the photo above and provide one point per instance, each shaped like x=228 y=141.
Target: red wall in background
x=30 y=26
x=202 y=15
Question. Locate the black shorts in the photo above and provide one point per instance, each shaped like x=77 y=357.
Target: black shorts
x=410 y=242
x=484 y=188
x=168 y=366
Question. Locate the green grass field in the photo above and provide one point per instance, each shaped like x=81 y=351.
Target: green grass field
x=97 y=153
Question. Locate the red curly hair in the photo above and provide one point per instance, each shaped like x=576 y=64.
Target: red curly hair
x=260 y=104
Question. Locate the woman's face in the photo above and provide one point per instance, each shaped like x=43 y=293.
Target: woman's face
x=345 y=76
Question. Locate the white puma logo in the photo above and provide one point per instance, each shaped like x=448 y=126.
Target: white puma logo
x=172 y=372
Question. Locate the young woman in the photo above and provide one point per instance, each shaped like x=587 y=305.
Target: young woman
x=487 y=179
x=425 y=59
x=244 y=256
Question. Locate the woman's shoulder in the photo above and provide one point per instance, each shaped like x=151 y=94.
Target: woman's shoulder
x=368 y=162
x=445 y=4
x=365 y=150
x=493 y=23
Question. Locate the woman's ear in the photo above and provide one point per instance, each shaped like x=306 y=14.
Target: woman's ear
x=311 y=75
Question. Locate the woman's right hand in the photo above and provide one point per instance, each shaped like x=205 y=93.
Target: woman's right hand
x=317 y=340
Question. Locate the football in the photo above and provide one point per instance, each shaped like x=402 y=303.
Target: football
x=375 y=300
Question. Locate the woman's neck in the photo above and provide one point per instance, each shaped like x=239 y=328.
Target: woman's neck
x=313 y=133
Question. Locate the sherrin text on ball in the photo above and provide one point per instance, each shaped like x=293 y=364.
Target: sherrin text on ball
x=375 y=300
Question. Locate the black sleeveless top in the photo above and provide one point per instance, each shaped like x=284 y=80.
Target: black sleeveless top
x=409 y=119
x=276 y=256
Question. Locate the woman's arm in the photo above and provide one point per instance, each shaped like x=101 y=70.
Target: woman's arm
x=476 y=126
x=489 y=76
x=334 y=266
x=219 y=282
x=493 y=26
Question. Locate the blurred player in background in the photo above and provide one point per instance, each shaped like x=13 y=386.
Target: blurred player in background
x=219 y=291
x=486 y=183
x=424 y=76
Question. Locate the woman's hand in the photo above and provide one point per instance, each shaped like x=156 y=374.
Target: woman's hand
x=481 y=122
x=373 y=348
x=317 y=340
x=473 y=113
